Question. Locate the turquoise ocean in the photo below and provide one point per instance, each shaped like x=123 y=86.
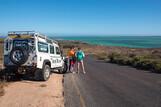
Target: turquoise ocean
x=122 y=41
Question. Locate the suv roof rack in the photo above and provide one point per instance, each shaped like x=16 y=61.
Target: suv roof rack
x=49 y=40
x=21 y=32
x=31 y=33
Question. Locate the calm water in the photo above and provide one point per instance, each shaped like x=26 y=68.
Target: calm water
x=123 y=41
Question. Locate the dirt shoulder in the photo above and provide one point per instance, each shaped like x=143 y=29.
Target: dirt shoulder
x=34 y=94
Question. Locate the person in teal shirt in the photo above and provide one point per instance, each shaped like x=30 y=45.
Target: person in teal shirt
x=79 y=57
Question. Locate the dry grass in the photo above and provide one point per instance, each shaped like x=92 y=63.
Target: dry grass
x=1 y=51
x=43 y=85
x=2 y=84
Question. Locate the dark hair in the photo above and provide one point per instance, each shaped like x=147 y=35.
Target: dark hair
x=72 y=47
x=79 y=48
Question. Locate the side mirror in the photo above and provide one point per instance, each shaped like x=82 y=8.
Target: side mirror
x=61 y=52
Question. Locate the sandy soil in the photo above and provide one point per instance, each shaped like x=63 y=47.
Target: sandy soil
x=34 y=94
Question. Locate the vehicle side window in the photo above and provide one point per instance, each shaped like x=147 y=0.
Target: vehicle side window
x=42 y=47
x=6 y=45
x=52 y=49
x=57 y=50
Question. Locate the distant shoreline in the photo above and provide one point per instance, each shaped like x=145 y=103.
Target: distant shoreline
x=118 y=41
x=140 y=42
x=82 y=42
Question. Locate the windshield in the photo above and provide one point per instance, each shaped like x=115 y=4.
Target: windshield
x=21 y=43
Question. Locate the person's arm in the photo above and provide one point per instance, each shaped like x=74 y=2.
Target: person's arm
x=83 y=54
x=76 y=54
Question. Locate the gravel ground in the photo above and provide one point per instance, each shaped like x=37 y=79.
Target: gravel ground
x=34 y=94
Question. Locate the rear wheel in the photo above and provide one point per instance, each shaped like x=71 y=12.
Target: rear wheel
x=46 y=73
x=43 y=74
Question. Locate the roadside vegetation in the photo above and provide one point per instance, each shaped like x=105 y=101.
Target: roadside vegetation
x=2 y=83
x=101 y=56
x=150 y=61
x=1 y=52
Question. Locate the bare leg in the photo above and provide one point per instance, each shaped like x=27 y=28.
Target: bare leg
x=74 y=67
x=71 y=69
x=78 y=63
x=68 y=65
x=82 y=64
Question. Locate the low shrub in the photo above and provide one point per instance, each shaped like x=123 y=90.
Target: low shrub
x=101 y=56
x=119 y=59
x=113 y=56
x=156 y=66
x=146 y=62
x=137 y=61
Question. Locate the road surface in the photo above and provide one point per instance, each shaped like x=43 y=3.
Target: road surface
x=111 y=85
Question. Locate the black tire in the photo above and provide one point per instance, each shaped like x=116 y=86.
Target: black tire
x=10 y=73
x=23 y=56
x=64 y=68
x=44 y=74
x=37 y=75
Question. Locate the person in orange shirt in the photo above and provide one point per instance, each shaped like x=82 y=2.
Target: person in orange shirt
x=72 y=59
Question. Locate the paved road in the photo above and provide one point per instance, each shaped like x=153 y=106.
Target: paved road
x=111 y=85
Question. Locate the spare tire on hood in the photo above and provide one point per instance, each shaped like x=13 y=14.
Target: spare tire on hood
x=18 y=56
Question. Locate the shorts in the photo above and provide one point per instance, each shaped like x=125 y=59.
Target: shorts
x=72 y=60
x=80 y=61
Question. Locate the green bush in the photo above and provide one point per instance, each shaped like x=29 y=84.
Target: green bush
x=101 y=56
x=113 y=56
x=156 y=66
x=136 y=61
x=146 y=62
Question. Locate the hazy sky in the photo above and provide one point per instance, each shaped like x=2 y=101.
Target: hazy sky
x=88 y=17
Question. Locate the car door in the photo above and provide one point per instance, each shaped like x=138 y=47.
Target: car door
x=52 y=56
x=58 y=57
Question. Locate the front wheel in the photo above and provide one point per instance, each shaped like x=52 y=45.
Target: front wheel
x=64 y=68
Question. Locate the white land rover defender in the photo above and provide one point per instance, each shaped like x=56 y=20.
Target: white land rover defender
x=30 y=52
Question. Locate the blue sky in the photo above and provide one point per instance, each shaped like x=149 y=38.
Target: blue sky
x=82 y=17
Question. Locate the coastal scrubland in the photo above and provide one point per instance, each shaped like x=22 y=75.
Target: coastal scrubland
x=141 y=58
x=147 y=59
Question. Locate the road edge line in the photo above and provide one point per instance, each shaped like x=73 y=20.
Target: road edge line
x=78 y=92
